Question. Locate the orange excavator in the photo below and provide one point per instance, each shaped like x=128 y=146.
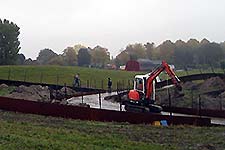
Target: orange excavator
x=142 y=97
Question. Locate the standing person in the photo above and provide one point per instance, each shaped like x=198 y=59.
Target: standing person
x=109 y=85
x=76 y=80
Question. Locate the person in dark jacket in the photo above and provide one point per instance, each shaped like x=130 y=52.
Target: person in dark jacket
x=109 y=85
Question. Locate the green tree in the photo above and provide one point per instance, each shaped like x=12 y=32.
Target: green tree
x=9 y=43
x=70 y=56
x=45 y=56
x=166 y=51
x=99 y=56
x=210 y=54
x=83 y=57
x=150 y=50
x=20 y=59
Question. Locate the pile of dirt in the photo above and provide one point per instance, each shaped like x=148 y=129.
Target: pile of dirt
x=40 y=93
x=33 y=93
x=3 y=86
x=212 y=83
x=190 y=85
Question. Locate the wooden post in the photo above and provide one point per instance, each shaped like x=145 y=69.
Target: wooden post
x=199 y=105
x=82 y=98
x=170 y=105
x=65 y=92
x=41 y=78
x=192 y=99
x=57 y=79
x=100 y=102
x=102 y=85
x=87 y=84
x=9 y=73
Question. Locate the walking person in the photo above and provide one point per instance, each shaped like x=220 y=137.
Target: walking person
x=109 y=85
x=76 y=80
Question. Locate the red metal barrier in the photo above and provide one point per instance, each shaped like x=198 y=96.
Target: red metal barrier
x=83 y=113
x=191 y=111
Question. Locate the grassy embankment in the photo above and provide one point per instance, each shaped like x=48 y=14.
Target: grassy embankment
x=64 y=74
x=20 y=131
x=61 y=74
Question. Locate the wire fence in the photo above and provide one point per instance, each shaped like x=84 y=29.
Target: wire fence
x=25 y=75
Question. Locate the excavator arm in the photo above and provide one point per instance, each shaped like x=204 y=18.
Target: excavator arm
x=163 y=67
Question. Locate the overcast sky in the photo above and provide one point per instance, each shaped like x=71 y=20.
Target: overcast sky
x=113 y=24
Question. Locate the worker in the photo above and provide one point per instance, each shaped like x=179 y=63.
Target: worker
x=109 y=85
x=76 y=80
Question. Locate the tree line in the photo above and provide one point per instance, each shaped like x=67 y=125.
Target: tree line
x=192 y=53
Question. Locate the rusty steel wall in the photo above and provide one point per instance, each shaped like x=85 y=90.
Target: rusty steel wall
x=191 y=111
x=83 y=113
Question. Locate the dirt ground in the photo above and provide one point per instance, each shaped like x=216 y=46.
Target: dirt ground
x=211 y=93
x=38 y=93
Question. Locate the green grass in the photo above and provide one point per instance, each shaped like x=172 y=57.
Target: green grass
x=90 y=77
x=24 y=131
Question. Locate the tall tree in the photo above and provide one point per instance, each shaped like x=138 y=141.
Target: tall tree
x=99 y=56
x=83 y=57
x=70 y=56
x=20 y=59
x=210 y=53
x=9 y=43
x=166 y=51
x=45 y=56
x=149 y=50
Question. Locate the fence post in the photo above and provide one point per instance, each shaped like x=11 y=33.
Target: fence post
x=123 y=84
x=87 y=84
x=192 y=99
x=25 y=75
x=100 y=102
x=57 y=79
x=102 y=84
x=199 y=105
x=41 y=77
x=65 y=92
x=170 y=102
x=221 y=104
x=82 y=97
x=95 y=84
x=9 y=73
x=128 y=84
x=212 y=68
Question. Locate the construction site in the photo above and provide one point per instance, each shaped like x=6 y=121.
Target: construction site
x=201 y=101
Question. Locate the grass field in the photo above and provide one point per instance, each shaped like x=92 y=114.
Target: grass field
x=90 y=77
x=24 y=131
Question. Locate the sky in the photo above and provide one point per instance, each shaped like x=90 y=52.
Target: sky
x=112 y=24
